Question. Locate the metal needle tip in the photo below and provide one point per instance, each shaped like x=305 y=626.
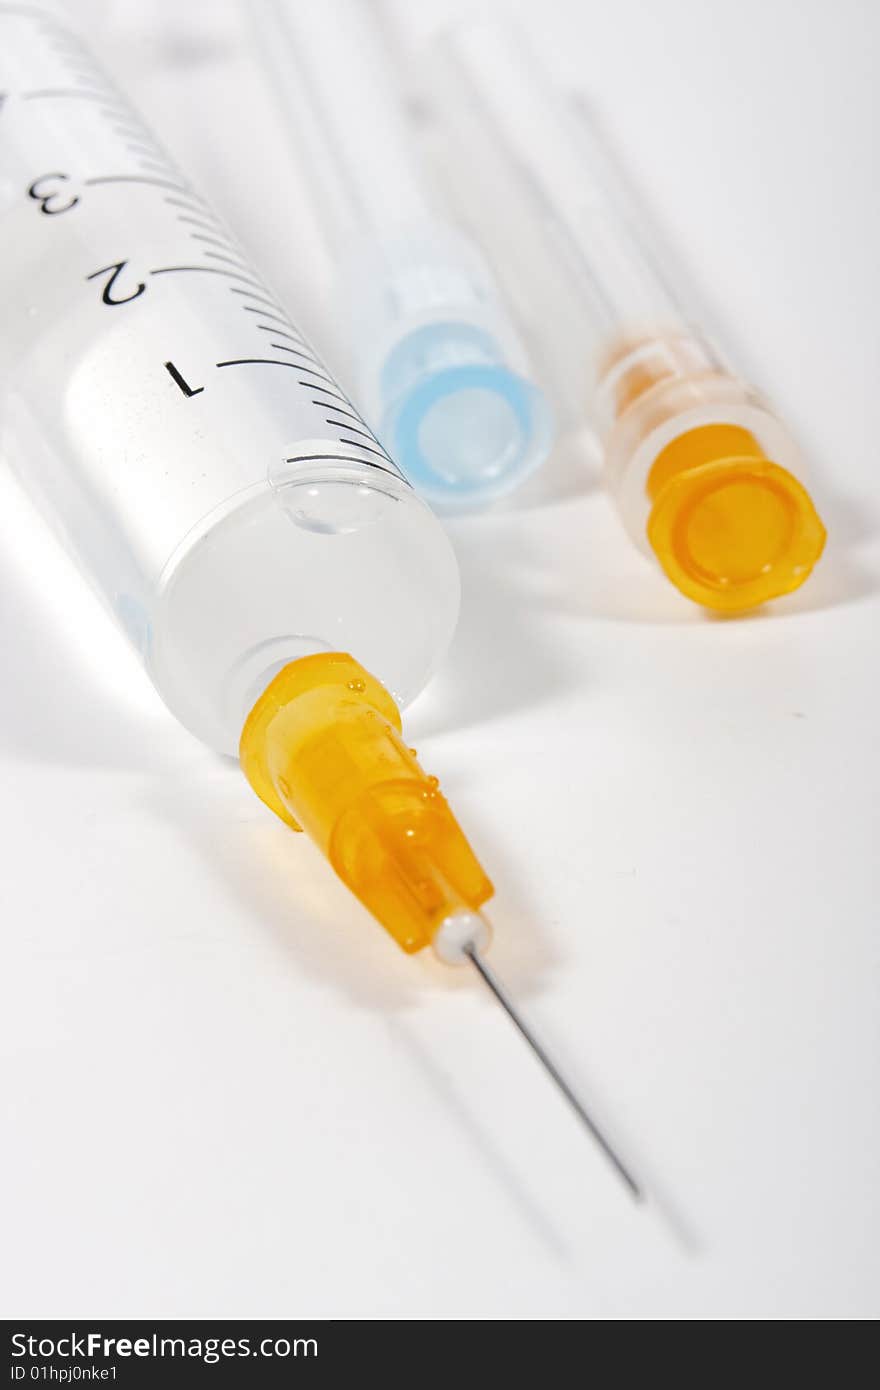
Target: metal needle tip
x=490 y=979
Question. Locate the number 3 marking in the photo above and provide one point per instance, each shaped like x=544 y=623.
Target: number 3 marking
x=47 y=200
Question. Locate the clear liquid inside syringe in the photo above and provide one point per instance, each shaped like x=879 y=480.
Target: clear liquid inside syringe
x=211 y=477
x=219 y=489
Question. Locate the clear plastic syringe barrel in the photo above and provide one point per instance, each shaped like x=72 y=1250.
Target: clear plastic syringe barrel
x=702 y=469
x=208 y=473
x=439 y=367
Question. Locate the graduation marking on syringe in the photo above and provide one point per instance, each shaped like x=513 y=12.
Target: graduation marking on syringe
x=276 y=317
x=205 y=270
x=351 y=429
x=134 y=178
x=357 y=444
x=306 y=356
x=339 y=410
x=267 y=361
x=211 y=240
x=279 y=332
x=310 y=371
x=63 y=92
x=258 y=299
x=275 y=362
x=191 y=202
x=148 y=161
x=326 y=391
x=344 y=458
x=141 y=147
x=270 y=328
x=227 y=260
x=212 y=225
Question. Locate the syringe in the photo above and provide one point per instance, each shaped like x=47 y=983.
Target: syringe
x=704 y=473
x=222 y=494
x=438 y=366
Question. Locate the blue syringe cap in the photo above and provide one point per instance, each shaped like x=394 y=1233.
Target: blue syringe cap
x=463 y=426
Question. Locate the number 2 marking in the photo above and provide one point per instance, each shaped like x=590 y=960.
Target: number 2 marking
x=47 y=200
x=115 y=270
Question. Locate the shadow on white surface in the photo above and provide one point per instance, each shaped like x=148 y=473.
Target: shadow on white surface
x=840 y=576
x=282 y=884
x=657 y=1201
x=601 y=575
x=449 y=1095
x=504 y=656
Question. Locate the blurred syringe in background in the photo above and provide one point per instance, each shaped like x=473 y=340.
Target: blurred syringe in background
x=436 y=363
x=704 y=473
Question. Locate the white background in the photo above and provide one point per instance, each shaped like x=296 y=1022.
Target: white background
x=228 y=1094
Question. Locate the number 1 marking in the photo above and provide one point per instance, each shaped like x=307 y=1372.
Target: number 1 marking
x=181 y=381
